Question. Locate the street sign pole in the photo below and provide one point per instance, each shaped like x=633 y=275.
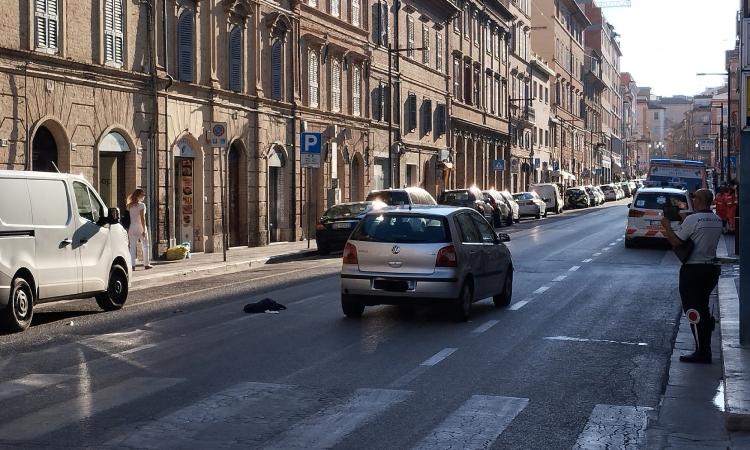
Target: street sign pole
x=219 y=140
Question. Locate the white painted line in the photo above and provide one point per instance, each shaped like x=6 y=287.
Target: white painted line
x=474 y=425
x=486 y=326
x=330 y=426
x=606 y=249
x=606 y=341
x=137 y=349
x=560 y=278
x=30 y=383
x=541 y=289
x=60 y=415
x=587 y=260
x=518 y=305
x=597 y=254
x=574 y=268
x=613 y=243
x=611 y=426
x=439 y=356
x=618 y=240
x=178 y=430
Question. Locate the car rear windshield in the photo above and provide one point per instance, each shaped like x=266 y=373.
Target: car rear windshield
x=392 y=198
x=402 y=228
x=341 y=211
x=658 y=200
x=454 y=196
x=525 y=196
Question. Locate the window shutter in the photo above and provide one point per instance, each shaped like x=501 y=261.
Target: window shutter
x=45 y=24
x=356 y=13
x=440 y=119
x=427 y=116
x=439 y=53
x=185 y=47
x=410 y=37
x=425 y=45
x=335 y=8
x=235 y=59
x=412 y=111
x=119 y=31
x=312 y=73
x=113 y=31
x=384 y=31
x=277 y=52
x=356 y=92
x=336 y=86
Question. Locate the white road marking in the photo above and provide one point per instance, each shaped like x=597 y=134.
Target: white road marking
x=613 y=243
x=30 y=383
x=541 y=289
x=331 y=425
x=607 y=341
x=618 y=240
x=560 y=278
x=474 y=425
x=597 y=254
x=518 y=305
x=587 y=260
x=611 y=426
x=60 y=415
x=606 y=249
x=178 y=430
x=486 y=326
x=574 y=268
x=439 y=356
x=137 y=349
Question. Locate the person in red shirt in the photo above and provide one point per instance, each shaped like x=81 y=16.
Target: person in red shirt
x=722 y=204
x=731 y=211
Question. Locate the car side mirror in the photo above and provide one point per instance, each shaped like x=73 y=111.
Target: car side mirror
x=503 y=237
x=113 y=216
x=629 y=204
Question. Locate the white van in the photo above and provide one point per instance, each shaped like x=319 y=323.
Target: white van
x=57 y=241
x=551 y=196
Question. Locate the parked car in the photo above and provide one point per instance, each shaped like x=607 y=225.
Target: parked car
x=402 y=197
x=647 y=209
x=610 y=193
x=602 y=195
x=576 y=197
x=470 y=198
x=502 y=211
x=59 y=241
x=337 y=223
x=529 y=204
x=625 y=187
x=428 y=255
x=513 y=205
x=619 y=191
x=595 y=197
x=550 y=193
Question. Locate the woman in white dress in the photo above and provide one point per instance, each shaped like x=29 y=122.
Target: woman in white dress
x=137 y=232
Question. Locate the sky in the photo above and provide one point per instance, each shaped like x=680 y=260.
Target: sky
x=666 y=42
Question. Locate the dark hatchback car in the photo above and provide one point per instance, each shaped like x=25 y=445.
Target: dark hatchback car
x=577 y=197
x=469 y=198
x=337 y=223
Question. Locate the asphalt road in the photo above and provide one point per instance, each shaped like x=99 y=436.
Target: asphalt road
x=577 y=361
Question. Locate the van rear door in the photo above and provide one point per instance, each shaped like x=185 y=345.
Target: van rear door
x=56 y=260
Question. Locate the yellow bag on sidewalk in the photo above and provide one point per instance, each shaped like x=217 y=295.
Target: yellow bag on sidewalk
x=176 y=253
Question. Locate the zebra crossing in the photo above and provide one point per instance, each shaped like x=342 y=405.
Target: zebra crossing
x=276 y=416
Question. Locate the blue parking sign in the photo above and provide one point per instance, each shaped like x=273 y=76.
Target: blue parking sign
x=310 y=145
x=498 y=164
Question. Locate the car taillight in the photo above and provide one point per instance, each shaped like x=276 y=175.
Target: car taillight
x=446 y=257
x=350 y=254
x=636 y=213
x=320 y=227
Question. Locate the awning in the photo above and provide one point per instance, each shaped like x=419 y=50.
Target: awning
x=616 y=169
x=563 y=175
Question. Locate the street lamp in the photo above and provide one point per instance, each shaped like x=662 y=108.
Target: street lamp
x=391 y=52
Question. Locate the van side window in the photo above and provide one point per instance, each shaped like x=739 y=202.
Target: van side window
x=85 y=208
x=50 y=205
x=15 y=208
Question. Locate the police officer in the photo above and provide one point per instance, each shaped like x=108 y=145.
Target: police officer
x=699 y=274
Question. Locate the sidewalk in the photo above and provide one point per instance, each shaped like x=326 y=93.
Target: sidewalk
x=707 y=406
x=209 y=264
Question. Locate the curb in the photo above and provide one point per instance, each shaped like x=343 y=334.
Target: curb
x=213 y=269
x=735 y=360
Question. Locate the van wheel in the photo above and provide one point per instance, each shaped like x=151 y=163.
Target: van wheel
x=117 y=290
x=462 y=307
x=629 y=243
x=20 y=310
x=503 y=299
x=351 y=307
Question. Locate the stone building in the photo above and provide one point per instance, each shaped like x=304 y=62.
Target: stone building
x=541 y=76
x=629 y=93
x=479 y=109
x=558 y=36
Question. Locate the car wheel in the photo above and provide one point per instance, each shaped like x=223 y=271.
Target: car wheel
x=20 y=310
x=629 y=243
x=545 y=213
x=463 y=303
x=538 y=216
x=503 y=299
x=509 y=221
x=517 y=219
x=117 y=290
x=323 y=250
x=351 y=306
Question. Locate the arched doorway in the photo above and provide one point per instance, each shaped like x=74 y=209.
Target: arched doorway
x=276 y=162
x=236 y=195
x=44 y=150
x=113 y=149
x=358 y=179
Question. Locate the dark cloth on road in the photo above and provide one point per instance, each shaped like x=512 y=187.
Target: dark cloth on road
x=262 y=306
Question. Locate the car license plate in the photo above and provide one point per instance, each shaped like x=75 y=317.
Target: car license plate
x=656 y=223
x=392 y=285
x=340 y=225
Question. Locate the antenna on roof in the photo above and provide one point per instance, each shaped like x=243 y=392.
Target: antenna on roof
x=55 y=166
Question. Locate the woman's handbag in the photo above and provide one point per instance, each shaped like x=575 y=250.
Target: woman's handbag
x=684 y=250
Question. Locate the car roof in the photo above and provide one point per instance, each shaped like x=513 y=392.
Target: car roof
x=435 y=210
x=663 y=190
x=39 y=175
x=367 y=202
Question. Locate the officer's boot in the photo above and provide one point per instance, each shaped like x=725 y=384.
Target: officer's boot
x=702 y=353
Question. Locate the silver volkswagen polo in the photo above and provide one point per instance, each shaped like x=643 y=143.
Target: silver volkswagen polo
x=430 y=254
